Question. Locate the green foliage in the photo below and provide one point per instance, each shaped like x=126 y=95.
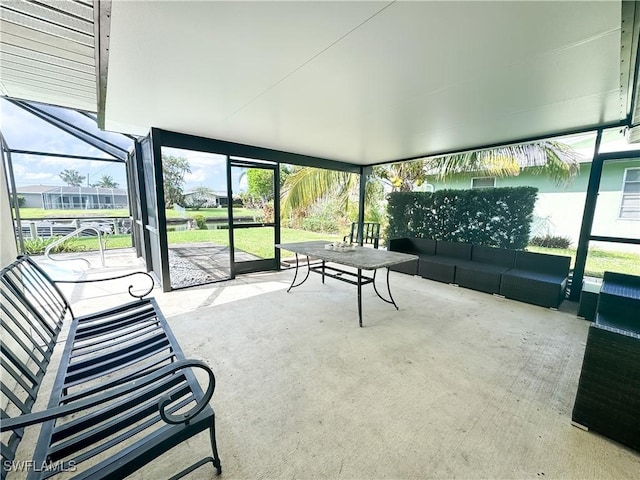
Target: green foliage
x=173 y=171
x=72 y=177
x=550 y=241
x=556 y=160
x=327 y=217
x=37 y=246
x=260 y=184
x=201 y=222
x=21 y=200
x=106 y=181
x=403 y=176
x=499 y=217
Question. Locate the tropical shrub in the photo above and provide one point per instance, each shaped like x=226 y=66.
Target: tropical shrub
x=498 y=217
x=37 y=246
x=201 y=222
x=550 y=241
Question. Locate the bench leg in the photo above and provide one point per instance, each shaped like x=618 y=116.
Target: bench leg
x=214 y=447
x=215 y=460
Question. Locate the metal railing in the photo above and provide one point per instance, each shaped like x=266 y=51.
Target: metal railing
x=73 y=234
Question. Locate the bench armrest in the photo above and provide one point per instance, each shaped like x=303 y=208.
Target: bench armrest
x=117 y=277
x=131 y=388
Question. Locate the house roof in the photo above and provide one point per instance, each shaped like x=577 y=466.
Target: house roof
x=67 y=189
x=362 y=82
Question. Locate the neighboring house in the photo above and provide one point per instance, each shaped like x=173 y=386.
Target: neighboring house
x=208 y=200
x=559 y=209
x=73 y=198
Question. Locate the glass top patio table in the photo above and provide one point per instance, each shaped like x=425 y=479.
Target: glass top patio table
x=360 y=258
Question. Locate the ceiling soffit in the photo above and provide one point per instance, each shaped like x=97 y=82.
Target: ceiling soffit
x=369 y=82
x=47 y=52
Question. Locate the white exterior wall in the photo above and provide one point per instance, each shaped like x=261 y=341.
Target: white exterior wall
x=564 y=211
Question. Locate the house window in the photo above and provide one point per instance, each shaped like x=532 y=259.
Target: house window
x=630 y=205
x=483 y=182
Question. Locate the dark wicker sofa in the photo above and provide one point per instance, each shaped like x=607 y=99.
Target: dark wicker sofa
x=608 y=400
x=484 y=271
x=530 y=277
x=537 y=278
x=423 y=247
x=442 y=266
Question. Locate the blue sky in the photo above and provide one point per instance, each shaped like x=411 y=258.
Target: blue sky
x=24 y=131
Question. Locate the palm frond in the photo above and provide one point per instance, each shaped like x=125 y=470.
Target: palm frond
x=307 y=185
x=554 y=159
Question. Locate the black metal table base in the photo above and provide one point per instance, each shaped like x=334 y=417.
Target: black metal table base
x=346 y=276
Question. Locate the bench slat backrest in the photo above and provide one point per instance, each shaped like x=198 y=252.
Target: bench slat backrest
x=32 y=311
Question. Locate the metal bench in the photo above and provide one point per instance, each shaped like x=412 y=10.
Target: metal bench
x=123 y=394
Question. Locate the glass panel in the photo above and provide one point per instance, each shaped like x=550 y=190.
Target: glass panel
x=24 y=131
x=253 y=243
x=612 y=257
x=254 y=201
x=618 y=206
x=633 y=175
x=614 y=140
x=195 y=187
x=483 y=182
x=253 y=213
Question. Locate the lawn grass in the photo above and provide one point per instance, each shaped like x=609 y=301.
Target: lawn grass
x=599 y=261
x=259 y=242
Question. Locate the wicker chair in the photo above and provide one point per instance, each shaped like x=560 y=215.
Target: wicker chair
x=608 y=400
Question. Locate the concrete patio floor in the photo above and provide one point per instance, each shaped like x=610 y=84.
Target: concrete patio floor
x=456 y=384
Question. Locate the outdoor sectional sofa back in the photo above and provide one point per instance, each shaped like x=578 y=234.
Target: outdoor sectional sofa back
x=619 y=301
x=543 y=263
x=453 y=250
x=503 y=257
x=416 y=246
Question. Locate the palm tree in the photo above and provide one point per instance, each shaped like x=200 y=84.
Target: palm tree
x=106 y=181
x=306 y=185
x=557 y=160
x=72 y=177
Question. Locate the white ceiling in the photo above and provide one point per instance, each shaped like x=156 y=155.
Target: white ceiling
x=362 y=82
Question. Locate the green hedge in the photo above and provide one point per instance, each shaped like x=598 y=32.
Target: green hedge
x=498 y=217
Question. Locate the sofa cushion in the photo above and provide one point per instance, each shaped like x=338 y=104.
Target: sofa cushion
x=533 y=287
x=436 y=268
x=479 y=276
